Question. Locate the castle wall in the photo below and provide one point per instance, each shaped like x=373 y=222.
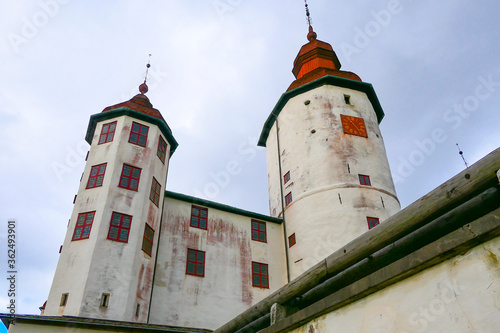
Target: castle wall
x=460 y=295
x=226 y=289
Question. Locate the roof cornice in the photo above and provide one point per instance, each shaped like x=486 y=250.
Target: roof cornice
x=123 y=111
x=365 y=87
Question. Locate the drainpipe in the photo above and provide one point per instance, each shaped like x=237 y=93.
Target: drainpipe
x=158 y=244
x=282 y=199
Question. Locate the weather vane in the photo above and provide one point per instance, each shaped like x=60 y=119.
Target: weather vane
x=308 y=14
x=147 y=68
x=462 y=154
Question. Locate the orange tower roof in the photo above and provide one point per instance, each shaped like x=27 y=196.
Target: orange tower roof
x=140 y=103
x=317 y=59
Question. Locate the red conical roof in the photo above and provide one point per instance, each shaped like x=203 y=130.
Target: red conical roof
x=139 y=103
x=317 y=59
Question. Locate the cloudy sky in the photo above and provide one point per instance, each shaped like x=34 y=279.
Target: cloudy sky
x=218 y=69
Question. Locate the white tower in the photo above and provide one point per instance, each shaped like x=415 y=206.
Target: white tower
x=106 y=266
x=326 y=160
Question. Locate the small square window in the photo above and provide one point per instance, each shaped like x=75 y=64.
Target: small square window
x=288 y=199
x=162 y=149
x=96 y=175
x=286 y=177
x=107 y=132
x=259 y=231
x=138 y=134
x=199 y=216
x=195 y=263
x=104 y=300
x=364 y=180
x=260 y=275
x=372 y=222
x=64 y=299
x=347 y=99
x=129 y=178
x=147 y=240
x=119 y=227
x=83 y=225
x=291 y=240
x=155 y=192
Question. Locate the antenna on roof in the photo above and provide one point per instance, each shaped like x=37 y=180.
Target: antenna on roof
x=462 y=154
x=143 y=88
x=147 y=70
x=309 y=21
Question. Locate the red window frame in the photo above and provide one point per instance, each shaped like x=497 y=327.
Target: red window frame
x=96 y=175
x=154 y=196
x=83 y=225
x=259 y=232
x=288 y=199
x=372 y=222
x=129 y=178
x=162 y=149
x=286 y=177
x=195 y=262
x=138 y=134
x=260 y=275
x=364 y=180
x=291 y=240
x=119 y=227
x=147 y=239
x=199 y=217
x=107 y=133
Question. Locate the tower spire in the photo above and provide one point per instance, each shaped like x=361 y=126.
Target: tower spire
x=143 y=88
x=311 y=35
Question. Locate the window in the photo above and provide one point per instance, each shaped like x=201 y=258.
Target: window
x=195 y=263
x=147 y=240
x=286 y=177
x=83 y=225
x=104 y=300
x=64 y=299
x=138 y=134
x=288 y=199
x=107 y=132
x=162 y=149
x=260 y=275
x=119 y=227
x=259 y=231
x=130 y=177
x=155 y=192
x=364 y=180
x=137 y=310
x=96 y=175
x=372 y=222
x=199 y=217
x=347 y=99
x=291 y=240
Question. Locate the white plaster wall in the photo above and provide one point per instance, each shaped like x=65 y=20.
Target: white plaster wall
x=87 y=268
x=29 y=328
x=461 y=295
x=325 y=163
x=226 y=289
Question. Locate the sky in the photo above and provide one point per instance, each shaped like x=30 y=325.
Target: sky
x=218 y=67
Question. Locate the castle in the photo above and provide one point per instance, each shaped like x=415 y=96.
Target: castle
x=137 y=257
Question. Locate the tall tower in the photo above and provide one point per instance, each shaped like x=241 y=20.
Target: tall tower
x=106 y=266
x=327 y=167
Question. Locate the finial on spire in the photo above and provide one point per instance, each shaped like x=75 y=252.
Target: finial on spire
x=308 y=15
x=311 y=35
x=143 y=88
